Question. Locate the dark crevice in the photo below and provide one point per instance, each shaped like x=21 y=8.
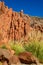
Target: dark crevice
x=24 y=30
x=14 y=27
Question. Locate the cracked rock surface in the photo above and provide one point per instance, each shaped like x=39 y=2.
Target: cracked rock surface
x=16 y=25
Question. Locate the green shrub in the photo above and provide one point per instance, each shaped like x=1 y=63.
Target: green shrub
x=17 y=47
x=40 y=56
x=3 y=47
x=31 y=47
x=36 y=48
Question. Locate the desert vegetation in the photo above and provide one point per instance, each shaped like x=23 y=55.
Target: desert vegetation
x=33 y=45
x=21 y=37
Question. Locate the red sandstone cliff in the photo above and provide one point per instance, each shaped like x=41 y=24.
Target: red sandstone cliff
x=13 y=25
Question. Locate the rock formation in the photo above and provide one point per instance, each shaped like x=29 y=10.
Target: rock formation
x=14 y=25
x=7 y=58
x=37 y=23
x=28 y=58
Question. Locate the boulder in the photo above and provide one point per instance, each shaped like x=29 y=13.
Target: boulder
x=6 y=57
x=14 y=60
x=5 y=63
x=5 y=53
x=27 y=58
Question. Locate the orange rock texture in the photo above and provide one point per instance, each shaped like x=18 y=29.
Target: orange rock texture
x=13 y=25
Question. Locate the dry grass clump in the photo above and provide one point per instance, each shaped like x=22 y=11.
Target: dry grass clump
x=35 y=35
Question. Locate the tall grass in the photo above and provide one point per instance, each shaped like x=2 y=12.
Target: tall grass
x=36 y=48
x=34 y=45
x=17 y=47
x=35 y=36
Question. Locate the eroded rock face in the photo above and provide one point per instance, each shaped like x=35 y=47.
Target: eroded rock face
x=13 y=25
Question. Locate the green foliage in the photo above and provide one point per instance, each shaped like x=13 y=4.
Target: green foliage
x=17 y=47
x=3 y=46
x=40 y=56
x=31 y=47
x=36 y=48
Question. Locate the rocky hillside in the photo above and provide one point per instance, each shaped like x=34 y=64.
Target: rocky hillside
x=16 y=25
x=37 y=23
